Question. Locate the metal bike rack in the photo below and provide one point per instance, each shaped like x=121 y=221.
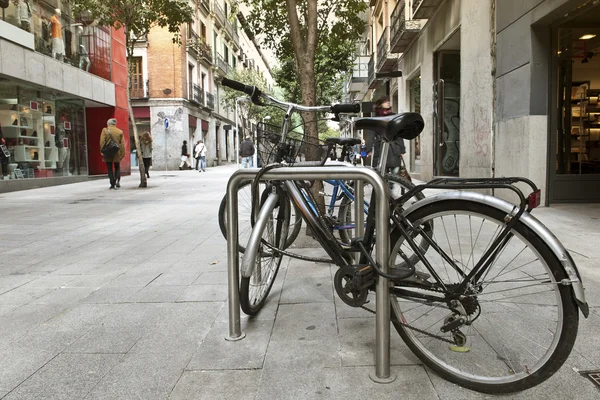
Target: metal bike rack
x=382 y=372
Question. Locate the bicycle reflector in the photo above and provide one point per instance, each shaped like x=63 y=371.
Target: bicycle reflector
x=535 y=199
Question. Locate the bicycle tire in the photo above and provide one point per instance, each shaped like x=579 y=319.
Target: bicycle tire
x=244 y=225
x=489 y=360
x=255 y=289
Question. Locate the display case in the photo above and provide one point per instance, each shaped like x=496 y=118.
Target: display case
x=29 y=134
x=585 y=128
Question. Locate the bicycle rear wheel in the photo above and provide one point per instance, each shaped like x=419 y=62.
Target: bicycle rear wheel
x=255 y=289
x=244 y=211
x=521 y=324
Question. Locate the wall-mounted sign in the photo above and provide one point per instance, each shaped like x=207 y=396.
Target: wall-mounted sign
x=166 y=122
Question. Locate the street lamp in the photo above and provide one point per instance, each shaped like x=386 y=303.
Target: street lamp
x=255 y=157
x=237 y=130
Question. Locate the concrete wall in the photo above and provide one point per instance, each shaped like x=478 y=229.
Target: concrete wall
x=476 y=86
x=21 y=63
x=166 y=143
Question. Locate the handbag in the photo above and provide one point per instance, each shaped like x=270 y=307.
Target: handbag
x=403 y=171
x=111 y=148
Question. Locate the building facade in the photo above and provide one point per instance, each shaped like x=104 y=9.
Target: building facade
x=61 y=79
x=506 y=88
x=175 y=89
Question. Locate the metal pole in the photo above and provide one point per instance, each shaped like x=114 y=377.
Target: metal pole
x=235 y=330
x=382 y=372
x=237 y=130
x=359 y=211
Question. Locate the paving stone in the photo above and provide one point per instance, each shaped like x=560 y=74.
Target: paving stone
x=212 y=278
x=176 y=278
x=17 y=365
x=309 y=321
x=217 y=353
x=22 y=295
x=145 y=376
x=158 y=294
x=228 y=384
x=204 y=293
x=357 y=338
x=111 y=295
x=68 y=376
x=64 y=296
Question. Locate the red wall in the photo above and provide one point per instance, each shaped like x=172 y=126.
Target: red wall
x=96 y=117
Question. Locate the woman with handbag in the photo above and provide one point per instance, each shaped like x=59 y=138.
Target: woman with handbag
x=146 y=147
x=112 y=147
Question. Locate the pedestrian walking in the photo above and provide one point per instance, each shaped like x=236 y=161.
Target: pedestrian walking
x=111 y=132
x=4 y=156
x=184 y=157
x=200 y=156
x=146 y=145
x=247 y=152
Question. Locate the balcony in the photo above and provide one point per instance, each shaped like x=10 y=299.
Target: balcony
x=222 y=65
x=220 y=18
x=371 y=67
x=231 y=30
x=210 y=101
x=196 y=94
x=204 y=6
x=198 y=47
x=403 y=31
x=138 y=90
x=424 y=9
x=385 y=62
x=360 y=75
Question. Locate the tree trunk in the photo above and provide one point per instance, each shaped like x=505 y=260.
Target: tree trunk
x=304 y=54
x=143 y=179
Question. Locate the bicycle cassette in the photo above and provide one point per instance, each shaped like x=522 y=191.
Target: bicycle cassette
x=352 y=283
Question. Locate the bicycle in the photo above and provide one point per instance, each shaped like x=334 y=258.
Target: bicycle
x=492 y=303
x=341 y=197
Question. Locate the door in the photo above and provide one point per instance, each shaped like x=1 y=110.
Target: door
x=574 y=138
x=447 y=113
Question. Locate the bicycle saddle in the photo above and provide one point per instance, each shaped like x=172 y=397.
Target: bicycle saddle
x=405 y=125
x=343 y=141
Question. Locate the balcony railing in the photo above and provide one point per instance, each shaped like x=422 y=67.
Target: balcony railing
x=232 y=31
x=204 y=5
x=424 y=9
x=197 y=45
x=138 y=90
x=222 y=64
x=219 y=13
x=382 y=47
x=196 y=94
x=372 y=82
x=210 y=100
x=403 y=30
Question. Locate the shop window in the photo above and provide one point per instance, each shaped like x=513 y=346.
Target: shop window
x=44 y=134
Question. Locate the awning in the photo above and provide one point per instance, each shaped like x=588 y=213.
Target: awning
x=193 y=121
x=141 y=112
x=205 y=125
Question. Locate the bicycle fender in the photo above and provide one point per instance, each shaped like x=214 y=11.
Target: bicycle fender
x=256 y=235
x=561 y=253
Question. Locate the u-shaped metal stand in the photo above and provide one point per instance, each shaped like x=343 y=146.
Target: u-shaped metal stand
x=382 y=372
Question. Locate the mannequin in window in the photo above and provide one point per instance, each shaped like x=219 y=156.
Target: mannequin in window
x=56 y=38
x=84 y=58
x=25 y=15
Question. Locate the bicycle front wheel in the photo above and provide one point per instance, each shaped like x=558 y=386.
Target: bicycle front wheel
x=520 y=324
x=255 y=289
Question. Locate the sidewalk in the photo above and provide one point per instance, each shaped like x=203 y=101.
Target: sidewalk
x=123 y=295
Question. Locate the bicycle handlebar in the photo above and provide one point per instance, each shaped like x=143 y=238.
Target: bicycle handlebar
x=257 y=97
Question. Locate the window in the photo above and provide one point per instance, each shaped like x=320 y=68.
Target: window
x=137 y=78
x=226 y=53
x=203 y=31
x=202 y=81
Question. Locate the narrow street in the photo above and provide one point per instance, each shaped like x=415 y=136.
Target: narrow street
x=122 y=294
